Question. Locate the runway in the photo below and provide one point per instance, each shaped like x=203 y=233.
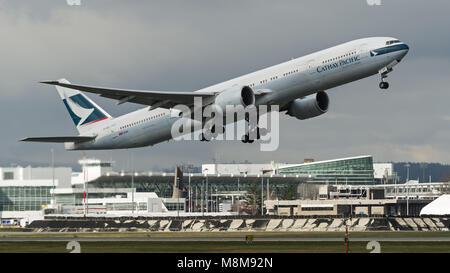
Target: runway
x=223 y=239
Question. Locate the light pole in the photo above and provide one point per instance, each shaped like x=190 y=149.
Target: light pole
x=395 y=186
x=238 y=199
x=85 y=187
x=407 y=201
x=178 y=197
x=189 y=190
x=132 y=183
x=202 y=193
x=87 y=191
x=238 y=187
x=262 y=194
x=206 y=190
x=196 y=198
x=407 y=165
x=53 y=177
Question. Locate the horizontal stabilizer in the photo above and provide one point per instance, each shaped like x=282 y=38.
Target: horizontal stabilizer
x=63 y=139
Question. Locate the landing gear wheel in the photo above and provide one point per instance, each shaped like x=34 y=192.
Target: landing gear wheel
x=203 y=138
x=211 y=133
x=254 y=134
x=246 y=139
x=215 y=132
x=384 y=74
x=262 y=132
x=384 y=85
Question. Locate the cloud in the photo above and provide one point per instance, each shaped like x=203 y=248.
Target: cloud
x=416 y=153
x=190 y=44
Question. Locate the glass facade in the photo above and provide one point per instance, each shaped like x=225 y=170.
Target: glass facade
x=357 y=170
x=77 y=199
x=163 y=185
x=174 y=206
x=126 y=206
x=24 y=198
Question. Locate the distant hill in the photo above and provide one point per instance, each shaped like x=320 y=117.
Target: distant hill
x=24 y=163
x=422 y=171
x=417 y=170
x=195 y=169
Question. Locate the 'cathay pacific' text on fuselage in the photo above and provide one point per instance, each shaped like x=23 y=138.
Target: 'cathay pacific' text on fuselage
x=338 y=64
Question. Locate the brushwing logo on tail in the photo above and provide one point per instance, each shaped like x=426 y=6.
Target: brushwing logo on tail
x=82 y=111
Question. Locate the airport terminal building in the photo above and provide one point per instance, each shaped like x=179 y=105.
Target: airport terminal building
x=29 y=193
x=353 y=170
x=358 y=170
x=26 y=191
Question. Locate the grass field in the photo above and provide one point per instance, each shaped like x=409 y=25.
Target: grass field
x=223 y=247
x=13 y=229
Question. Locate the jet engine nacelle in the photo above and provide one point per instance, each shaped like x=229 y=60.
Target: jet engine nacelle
x=237 y=95
x=310 y=106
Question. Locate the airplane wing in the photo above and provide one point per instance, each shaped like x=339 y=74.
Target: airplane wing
x=153 y=98
x=59 y=139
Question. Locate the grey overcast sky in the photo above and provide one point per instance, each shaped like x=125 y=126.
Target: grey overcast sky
x=189 y=44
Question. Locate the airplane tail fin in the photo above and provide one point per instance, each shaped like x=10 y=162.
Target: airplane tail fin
x=84 y=112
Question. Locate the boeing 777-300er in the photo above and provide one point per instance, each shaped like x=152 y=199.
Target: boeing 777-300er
x=296 y=86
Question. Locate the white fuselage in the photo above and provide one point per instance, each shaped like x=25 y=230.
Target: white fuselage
x=287 y=81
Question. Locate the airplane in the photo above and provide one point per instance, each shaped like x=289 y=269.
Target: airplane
x=297 y=86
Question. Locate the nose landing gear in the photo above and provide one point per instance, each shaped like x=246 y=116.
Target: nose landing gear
x=384 y=85
x=383 y=73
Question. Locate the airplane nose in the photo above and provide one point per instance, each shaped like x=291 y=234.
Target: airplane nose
x=404 y=51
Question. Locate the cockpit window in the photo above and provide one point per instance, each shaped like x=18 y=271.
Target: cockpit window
x=393 y=42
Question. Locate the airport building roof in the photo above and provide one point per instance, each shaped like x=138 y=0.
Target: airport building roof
x=350 y=170
x=327 y=161
x=440 y=206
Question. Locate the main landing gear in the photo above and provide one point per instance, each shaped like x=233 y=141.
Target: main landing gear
x=211 y=134
x=254 y=133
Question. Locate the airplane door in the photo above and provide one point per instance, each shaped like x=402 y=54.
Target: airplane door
x=363 y=51
x=312 y=72
x=312 y=67
x=174 y=114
